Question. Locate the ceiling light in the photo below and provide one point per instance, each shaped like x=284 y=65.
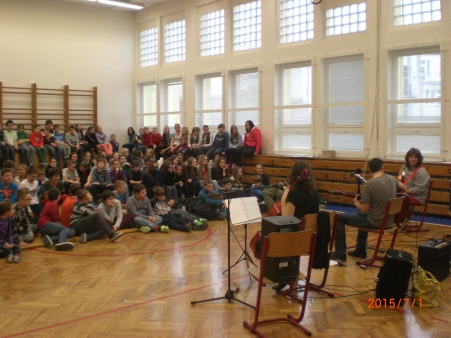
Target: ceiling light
x=121 y=4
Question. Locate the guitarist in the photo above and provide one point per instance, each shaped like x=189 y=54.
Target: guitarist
x=415 y=177
x=378 y=191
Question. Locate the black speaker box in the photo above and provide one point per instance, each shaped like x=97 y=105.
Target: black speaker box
x=394 y=276
x=434 y=256
x=281 y=269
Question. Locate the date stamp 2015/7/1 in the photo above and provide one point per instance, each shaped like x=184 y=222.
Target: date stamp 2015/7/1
x=377 y=303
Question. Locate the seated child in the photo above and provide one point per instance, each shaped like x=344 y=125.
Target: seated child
x=22 y=228
x=111 y=210
x=50 y=230
x=134 y=175
x=83 y=172
x=176 y=219
x=68 y=205
x=70 y=176
x=21 y=174
x=99 y=179
x=120 y=188
x=7 y=247
x=228 y=191
x=214 y=202
x=139 y=206
x=8 y=188
x=89 y=225
x=257 y=193
x=53 y=182
x=32 y=185
x=60 y=140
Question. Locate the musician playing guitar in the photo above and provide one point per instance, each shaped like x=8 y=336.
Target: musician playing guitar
x=415 y=177
x=378 y=191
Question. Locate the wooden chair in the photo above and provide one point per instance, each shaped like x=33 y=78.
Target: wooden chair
x=394 y=207
x=277 y=244
x=310 y=222
x=417 y=228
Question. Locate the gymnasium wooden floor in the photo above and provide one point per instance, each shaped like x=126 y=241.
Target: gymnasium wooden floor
x=142 y=286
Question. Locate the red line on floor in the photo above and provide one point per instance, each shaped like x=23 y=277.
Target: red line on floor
x=439 y=320
x=69 y=253
x=119 y=309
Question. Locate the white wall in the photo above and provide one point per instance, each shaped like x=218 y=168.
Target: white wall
x=272 y=52
x=55 y=43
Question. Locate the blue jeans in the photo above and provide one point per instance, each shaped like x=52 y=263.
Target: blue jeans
x=139 y=222
x=56 y=232
x=214 y=151
x=355 y=220
x=54 y=152
x=10 y=153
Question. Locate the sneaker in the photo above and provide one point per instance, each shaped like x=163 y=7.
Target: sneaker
x=47 y=241
x=115 y=236
x=64 y=246
x=357 y=253
x=144 y=229
x=17 y=259
x=199 y=226
x=164 y=228
x=83 y=238
x=189 y=227
x=338 y=257
x=9 y=258
x=203 y=220
x=279 y=287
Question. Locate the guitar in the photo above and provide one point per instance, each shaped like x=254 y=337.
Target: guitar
x=252 y=244
x=336 y=193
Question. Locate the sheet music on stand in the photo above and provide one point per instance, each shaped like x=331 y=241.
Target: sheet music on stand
x=244 y=210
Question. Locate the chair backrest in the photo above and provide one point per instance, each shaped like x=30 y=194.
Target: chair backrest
x=310 y=221
x=395 y=206
x=289 y=244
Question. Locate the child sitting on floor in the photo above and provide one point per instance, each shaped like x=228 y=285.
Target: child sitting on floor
x=33 y=185
x=7 y=247
x=212 y=203
x=22 y=228
x=111 y=210
x=176 y=219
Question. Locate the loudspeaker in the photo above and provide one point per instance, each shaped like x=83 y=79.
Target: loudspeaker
x=394 y=276
x=434 y=256
x=281 y=269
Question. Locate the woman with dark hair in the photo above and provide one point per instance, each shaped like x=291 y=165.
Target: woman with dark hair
x=193 y=177
x=415 y=177
x=236 y=139
x=252 y=144
x=219 y=171
x=81 y=138
x=300 y=197
x=131 y=137
x=92 y=139
x=166 y=143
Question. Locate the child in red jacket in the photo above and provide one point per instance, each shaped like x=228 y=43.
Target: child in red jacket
x=50 y=230
x=37 y=141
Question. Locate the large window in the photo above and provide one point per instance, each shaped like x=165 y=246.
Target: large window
x=172 y=103
x=343 y=103
x=148 y=47
x=408 y=12
x=346 y=19
x=243 y=97
x=212 y=33
x=247 y=26
x=293 y=110
x=296 y=20
x=147 y=105
x=174 y=41
x=209 y=100
x=414 y=103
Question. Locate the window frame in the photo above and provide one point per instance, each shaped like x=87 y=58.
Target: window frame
x=198 y=93
x=164 y=114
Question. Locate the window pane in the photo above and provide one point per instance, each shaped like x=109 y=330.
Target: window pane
x=338 y=19
x=148 y=47
x=346 y=115
x=296 y=116
x=242 y=116
x=175 y=97
x=296 y=20
x=428 y=10
x=171 y=119
x=429 y=144
x=346 y=81
x=211 y=93
x=246 y=90
x=296 y=141
x=174 y=41
x=296 y=86
x=247 y=26
x=150 y=99
x=416 y=112
x=210 y=119
x=350 y=142
x=147 y=120
x=212 y=33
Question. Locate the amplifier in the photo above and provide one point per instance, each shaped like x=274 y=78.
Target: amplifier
x=281 y=269
x=434 y=256
x=394 y=276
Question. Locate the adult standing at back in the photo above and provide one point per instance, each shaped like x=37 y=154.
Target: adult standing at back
x=252 y=144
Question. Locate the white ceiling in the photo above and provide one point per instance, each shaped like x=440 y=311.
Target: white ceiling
x=145 y=3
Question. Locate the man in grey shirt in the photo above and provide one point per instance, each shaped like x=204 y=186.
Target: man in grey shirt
x=378 y=191
x=139 y=206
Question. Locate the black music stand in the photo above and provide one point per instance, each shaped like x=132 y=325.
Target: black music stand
x=230 y=294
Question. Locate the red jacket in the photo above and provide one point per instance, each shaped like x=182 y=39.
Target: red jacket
x=156 y=140
x=254 y=140
x=146 y=139
x=50 y=213
x=37 y=139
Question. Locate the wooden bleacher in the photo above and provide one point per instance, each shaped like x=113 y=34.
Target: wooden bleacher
x=330 y=175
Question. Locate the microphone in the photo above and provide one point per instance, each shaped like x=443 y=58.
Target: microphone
x=357 y=171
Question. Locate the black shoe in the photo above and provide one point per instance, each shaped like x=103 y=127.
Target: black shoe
x=359 y=253
x=338 y=257
x=279 y=287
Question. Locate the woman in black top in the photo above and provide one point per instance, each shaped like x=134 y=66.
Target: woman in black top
x=300 y=197
x=219 y=171
x=131 y=139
